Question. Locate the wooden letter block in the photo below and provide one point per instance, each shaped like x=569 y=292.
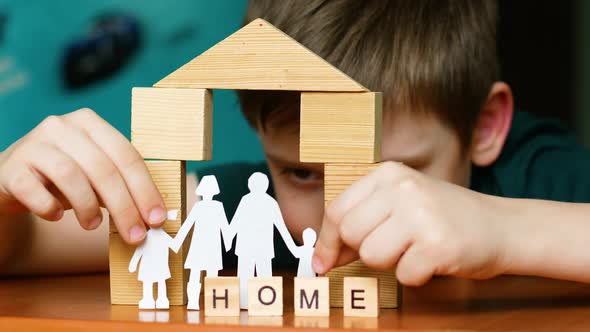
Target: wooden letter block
x=340 y=127
x=172 y=124
x=389 y=288
x=222 y=296
x=126 y=289
x=312 y=296
x=170 y=179
x=361 y=297
x=265 y=296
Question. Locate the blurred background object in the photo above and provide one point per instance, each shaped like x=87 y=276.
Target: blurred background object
x=58 y=56
x=61 y=55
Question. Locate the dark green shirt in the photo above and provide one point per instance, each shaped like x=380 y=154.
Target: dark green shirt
x=540 y=159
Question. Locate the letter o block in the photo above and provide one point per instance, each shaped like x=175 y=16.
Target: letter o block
x=312 y=296
x=265 y=296
x=222 y=296
x=361 y=297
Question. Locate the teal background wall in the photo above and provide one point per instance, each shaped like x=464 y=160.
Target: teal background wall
x=31 y=86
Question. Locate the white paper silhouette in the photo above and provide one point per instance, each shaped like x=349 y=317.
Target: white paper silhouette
x=153 y=268
x=205 y=253
x=305 y=252
x=253 y=224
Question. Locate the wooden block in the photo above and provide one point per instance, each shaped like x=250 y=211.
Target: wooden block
x=265 y=296
x=361 y=297
x=170 y=178
x=172 y=124
x=260 y=57
x=222 y=296
x=311 y=296
x=338 y=177
x=389 y=289
x=340 y=127
x=126 y=289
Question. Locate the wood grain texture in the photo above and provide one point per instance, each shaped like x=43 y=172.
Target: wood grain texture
x=260 y=57
x=170 y=179
x=175 y=124
x=506 y=303
x=126 y=289
x=338 y=177
x=311 y=297
x=222 y=296
x=340 y=127
x=361 y=297
x=265 y=296
x=389 y=289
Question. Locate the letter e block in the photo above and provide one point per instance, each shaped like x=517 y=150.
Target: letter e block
x=361 y=297
x=222 y=296
x=312 y=296
x=265 y=296
x=174 y=124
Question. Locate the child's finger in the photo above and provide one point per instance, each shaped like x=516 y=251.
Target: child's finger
x=67 y=176
x=364 y=217
x=103 y=176
x=127 y=160
x=327 y=248
x=27 y=188
x=347 y=255
x=386 y=174
x=414 y=268
x=385 y=245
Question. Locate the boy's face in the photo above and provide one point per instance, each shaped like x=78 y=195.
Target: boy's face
x=419 y=141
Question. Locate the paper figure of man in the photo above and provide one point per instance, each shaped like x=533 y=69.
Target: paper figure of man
x=205 y=252
x=305 y=252
x=153 y=253
x=253 y=224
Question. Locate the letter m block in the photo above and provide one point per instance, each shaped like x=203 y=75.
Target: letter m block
x=311 y=296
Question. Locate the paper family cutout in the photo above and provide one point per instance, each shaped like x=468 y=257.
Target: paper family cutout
x=252 y=224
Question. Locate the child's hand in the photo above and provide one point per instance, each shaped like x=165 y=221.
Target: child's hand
x=398 y=216
x=79 y=161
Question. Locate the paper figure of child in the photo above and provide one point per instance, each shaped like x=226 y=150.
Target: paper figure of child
x=305 y=252
x=153 y=253
x=205 y=253
x=253 y=224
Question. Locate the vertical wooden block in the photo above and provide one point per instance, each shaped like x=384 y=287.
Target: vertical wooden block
x=170 y=179
x=389 y=288
x=338 y=177
x=311 y=296
x=222 y=296
x=126 y=289
x=361 y=297
x=265 y=296
x=340 y=127
x=172 y=123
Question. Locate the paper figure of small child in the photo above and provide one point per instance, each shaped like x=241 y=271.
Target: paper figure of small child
x=205 y=253
x=153 y=268
x=253 y=223
x=305 y=252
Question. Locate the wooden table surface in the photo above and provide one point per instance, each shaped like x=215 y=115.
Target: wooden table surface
x=506 y=303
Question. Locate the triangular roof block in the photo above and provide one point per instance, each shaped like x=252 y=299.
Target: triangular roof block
x=260 y=57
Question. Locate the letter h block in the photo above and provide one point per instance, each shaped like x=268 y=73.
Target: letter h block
x=222 y=296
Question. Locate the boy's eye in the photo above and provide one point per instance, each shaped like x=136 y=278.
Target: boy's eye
x=301 y=175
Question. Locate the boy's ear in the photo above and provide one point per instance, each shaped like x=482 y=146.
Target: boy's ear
x=493 y=125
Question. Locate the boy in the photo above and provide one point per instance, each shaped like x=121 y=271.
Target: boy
x=446 y=128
